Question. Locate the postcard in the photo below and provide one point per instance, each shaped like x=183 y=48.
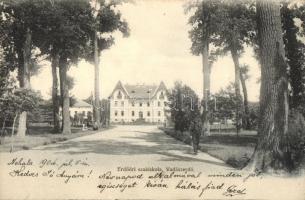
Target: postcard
x=151 y=99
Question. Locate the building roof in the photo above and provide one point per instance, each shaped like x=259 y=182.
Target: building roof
x=81 y=103
x=139 y=91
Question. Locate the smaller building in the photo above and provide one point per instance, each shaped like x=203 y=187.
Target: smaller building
x=81 y=113
x=81 y=107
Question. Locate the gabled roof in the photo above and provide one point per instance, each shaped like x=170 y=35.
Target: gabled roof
x=81 y=103
x=139 y=91
x=161 y=87
x=119 y=86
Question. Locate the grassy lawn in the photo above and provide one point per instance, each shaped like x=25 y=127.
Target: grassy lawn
x=38 y=136
x=227 y=146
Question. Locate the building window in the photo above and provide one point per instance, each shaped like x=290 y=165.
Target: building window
x=141 y=115
x=122 y=113
x=132 y=113
x=119 y=96
x=159 y=103
x=140 y=104
x=115 y=103
x=122 y=103
x=132 y=104
x=148 y=114
x=148 y=104
x=159 y=113
x=115 y=113
x=161 y=96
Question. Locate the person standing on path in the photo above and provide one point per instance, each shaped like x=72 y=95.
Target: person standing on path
x=195 y=130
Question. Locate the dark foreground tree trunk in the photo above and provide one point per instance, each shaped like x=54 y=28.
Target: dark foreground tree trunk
x=272 y=152
x=97 y=114
x=25 y=78
x=246 y=122
x=55 y=99
x=66 y=123
x=238 y=111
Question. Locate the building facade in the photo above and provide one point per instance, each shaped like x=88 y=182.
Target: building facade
x=143 y=103
x=81 y=107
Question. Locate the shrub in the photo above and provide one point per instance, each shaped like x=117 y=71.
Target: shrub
x=25 y=147
x=238 y=163
x=295 y=141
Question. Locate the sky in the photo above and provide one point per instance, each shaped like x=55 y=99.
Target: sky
x=158 y=49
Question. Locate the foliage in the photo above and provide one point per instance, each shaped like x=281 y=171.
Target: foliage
x=196 y=123
x=230 y=23
x=203 y=16
x=235 y=25
x=301 y=15
x=225 y=103
x=184 y=105
x=17 y=101
x=295 y=140
x=244 y=70
x=107 y=20
x=253 y=118
x=294 y=50
x=16 y=17
x=6 y=81
x=62 y=26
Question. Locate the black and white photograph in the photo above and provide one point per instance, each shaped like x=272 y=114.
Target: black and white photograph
x=152 y=99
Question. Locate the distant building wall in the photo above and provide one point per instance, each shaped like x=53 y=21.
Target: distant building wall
x=126 y=107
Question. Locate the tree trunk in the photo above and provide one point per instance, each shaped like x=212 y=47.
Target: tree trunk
x=3 y=126
x=61 y=91
x=272 y=152
x=96 y=106
x=25 y=78
x=238 y=111
x=66 y=123
x=246 y=122
x=55 y=99
x=206 y=78
x=12 y=134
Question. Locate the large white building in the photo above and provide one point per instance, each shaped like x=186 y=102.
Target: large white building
x=132 y=103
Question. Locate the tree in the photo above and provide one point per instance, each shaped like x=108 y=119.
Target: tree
x=234 y=27
x=18 y=18
x=14 y=103
x=202 y=22
x=64 y=33
x=184 y=105
x=294 y=49
x=47 y=18
x=226 y=103
x=55 y=99
x=244 y=69
x=271 y=151
x=107 y=20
